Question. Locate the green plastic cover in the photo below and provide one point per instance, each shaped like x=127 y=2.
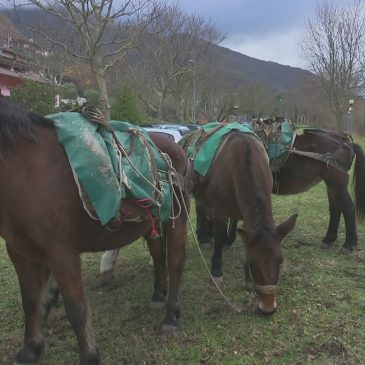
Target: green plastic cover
x=203 y=157
x=280 y=147
x=94 y=158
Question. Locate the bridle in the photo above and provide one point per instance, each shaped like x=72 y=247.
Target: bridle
x=263 y=289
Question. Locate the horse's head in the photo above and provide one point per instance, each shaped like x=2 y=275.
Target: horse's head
x=263 y=261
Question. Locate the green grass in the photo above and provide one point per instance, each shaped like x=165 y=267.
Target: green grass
x=320 y=319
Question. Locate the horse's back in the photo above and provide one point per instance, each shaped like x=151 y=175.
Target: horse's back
x=240 y=163
x=173 y=150
x=241 y=153
x=300 y=173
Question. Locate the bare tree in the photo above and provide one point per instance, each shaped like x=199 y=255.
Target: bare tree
x=217 y=97
x=174 y=46
x=334 y=49
x=100 y=32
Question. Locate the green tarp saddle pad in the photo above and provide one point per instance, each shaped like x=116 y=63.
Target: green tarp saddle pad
x=107 y=177
x=202 y=144
x=277 y=136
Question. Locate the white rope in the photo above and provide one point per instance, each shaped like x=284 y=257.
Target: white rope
x=120 y=146
x=229 y=302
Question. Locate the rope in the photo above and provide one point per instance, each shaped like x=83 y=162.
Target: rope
x=96 y=116
x=228 y=301
x=170 y=174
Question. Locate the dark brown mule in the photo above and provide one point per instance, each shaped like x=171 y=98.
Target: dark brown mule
x=239 y=186
x=46 y=228
x=326 y=156
x=300 y=173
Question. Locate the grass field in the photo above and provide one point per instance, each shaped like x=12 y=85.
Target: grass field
x=320 y=320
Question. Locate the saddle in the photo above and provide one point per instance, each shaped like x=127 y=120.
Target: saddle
x=121 y=175
x=278 y=136
x=202 y=145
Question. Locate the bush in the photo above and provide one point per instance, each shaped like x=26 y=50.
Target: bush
x=35 y=96
x=124 y=106
x=92 y=96
x=69 y=91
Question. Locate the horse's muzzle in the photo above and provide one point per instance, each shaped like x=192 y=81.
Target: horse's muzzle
x=267 y=304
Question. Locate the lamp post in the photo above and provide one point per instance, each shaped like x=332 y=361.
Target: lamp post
x=350 y=116
x=194 y=93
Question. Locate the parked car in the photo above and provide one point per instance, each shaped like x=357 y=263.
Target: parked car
x=171 y=133
x=192 y=127
x=182 y=129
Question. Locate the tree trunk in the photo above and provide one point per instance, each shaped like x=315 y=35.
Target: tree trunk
x=161 y=106
x=104 y=105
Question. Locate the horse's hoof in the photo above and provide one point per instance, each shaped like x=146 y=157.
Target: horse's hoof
x=218 y=280
x=92 y=358
x=346 y=250
x=326 y=246
x=106 y=277
x=168 y=328
x=29 y=355
x=157 y=305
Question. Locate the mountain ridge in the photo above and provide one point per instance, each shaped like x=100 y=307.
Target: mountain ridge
x=234 y=67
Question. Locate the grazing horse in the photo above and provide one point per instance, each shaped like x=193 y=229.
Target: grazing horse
x=238 y=186
x=45 y=226
x=317 y=155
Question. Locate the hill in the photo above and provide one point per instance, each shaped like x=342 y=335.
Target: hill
x=241 y=69
x=233 y=67
x=8 y=30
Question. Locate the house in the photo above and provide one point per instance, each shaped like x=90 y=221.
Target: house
x=13 y=70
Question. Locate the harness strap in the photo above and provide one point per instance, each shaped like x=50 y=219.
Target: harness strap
x=200 y=136
x=265 y=289
x=326 y=158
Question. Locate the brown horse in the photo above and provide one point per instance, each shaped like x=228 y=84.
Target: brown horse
x=46 y=228
x=238 y=186
x=316 y=155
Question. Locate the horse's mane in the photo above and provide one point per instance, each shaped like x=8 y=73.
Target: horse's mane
x=263 y=226
x=16 y=119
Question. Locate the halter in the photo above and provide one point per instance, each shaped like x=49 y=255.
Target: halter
x=263 y=289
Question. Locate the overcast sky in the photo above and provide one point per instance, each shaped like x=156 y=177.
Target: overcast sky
x=265 y=29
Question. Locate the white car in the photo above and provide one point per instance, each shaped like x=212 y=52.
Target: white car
x=171 y=133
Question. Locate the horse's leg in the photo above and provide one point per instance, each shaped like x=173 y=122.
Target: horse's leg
x=107 y=266
x=335 y=215
x=248 y=280
x=158 y=254
x=67 y=272
x=32 y=280
x=348 y=210
x=231 y=232
x=176 y=239
x=220 y=236
x=203 y=226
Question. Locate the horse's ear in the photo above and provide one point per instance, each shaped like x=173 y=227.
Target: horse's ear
x=246 y=234
x=284 y=228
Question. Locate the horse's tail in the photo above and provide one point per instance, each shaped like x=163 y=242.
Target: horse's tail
x=358 y=183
